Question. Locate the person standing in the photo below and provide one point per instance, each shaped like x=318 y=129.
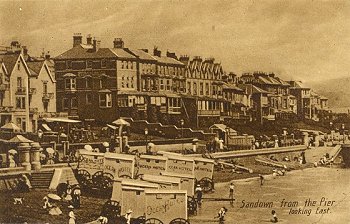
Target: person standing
x=71 y=217
x=221 y=145
x=128 y=216
x=231 y=195
x=274 y=216
x=262 y=180
x=199 y=194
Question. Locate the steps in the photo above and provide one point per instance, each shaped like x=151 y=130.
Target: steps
x=41 y=179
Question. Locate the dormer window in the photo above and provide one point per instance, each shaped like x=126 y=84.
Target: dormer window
x=103 y=63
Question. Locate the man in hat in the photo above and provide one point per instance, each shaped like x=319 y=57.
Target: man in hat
x=199 y=193
x=128 y=216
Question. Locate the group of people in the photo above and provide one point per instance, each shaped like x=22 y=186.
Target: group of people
x=326 y=160
x=217 y=145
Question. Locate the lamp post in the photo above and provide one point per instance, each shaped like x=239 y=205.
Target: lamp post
x=182 y=134
x=146 y=134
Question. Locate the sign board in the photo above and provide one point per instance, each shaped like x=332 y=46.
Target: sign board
x=180 y=164
x=119 y=165
x=90 y=161
x=203 y=168
x=166 y=205
x=148 y=164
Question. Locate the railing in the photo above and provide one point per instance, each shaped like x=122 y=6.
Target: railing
x=174 y=110
x=209 y=112
x=21 y=90
x=6 y=109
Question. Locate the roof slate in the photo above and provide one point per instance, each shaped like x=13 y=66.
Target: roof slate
x=143 y=55
x=35 y=67
x=9 y=61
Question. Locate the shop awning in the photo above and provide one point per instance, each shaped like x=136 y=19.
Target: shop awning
x=60 y=119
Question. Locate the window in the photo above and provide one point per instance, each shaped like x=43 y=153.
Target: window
x=189 y=87
x=123 y=83
x=20 y=102
x=201 y=89
x=123 y=102
x=168 y=84
x=19 y=65
x=88 y=98
x=207 y=89
x=89 y=64
x=45 y=87
x=70 y=83
x=88 y=83
x=69 y=64
x=1 y=78
x=105 y=100
x=103 y=63
x=127 y=82
x=74 y=103
x=19 y=82
x=194 y=88
x=46 y=106
x=132 y=82
x=161 y=84
x=65 y=103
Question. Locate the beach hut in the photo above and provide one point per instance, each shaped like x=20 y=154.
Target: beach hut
x=131 y=194
x=187 y=181
x=150 y=164
x=164 y=182
x=180 y=164
x=165 y=205
x=119 y=165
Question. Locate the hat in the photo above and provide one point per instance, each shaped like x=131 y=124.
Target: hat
x=129 y=211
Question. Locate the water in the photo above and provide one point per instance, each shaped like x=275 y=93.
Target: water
x=326 y=189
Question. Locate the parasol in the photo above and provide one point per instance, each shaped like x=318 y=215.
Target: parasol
x=88 y=148
x=12 y=151
x=19 y=139
x=10 y=127
x=54 y=197
x=121 y=122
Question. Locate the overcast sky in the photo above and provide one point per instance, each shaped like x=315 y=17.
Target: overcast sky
x=301 y=40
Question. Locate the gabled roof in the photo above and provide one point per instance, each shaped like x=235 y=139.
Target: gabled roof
x=9 y=61
x=167 y=60
x=298 y=85
x=264 y=80
x=35 y=67
x=284 y=83
x=231 y=86
x=121 y=53
x=143 y=55
x=256 y=89
x=79 y=52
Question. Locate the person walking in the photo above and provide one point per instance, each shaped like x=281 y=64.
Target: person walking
x=221 y=214
x=262 y=180
x=199 y=194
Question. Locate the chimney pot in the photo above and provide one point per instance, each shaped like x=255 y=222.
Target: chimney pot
x=118 y=43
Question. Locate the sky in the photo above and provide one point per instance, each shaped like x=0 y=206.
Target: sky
x=297 y=39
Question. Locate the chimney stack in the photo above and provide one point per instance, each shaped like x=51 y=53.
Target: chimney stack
x=118 y=43
x=77 y=39
x=184 y=59
x=47 y=55
x=156 y=52
x=89 y=39
x=96 y=45
x=171 y=55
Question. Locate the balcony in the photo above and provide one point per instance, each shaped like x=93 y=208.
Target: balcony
x=209 y=113
x=4 y=87
x=21 y=90
x=48 y=96
x=6 y=109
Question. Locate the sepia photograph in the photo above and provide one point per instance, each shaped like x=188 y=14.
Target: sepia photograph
x=174 y=111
